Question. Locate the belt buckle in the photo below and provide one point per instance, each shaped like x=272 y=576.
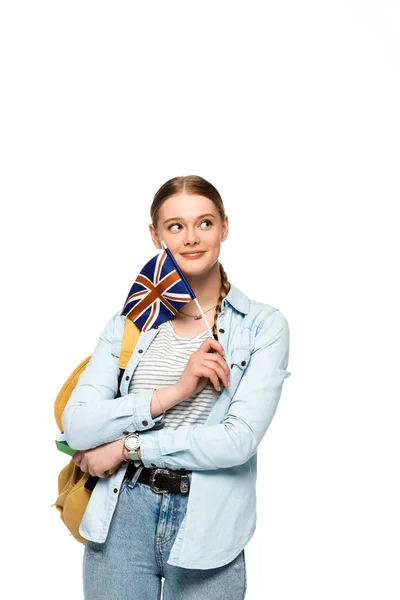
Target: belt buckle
x=184 y=483
x=152 y=478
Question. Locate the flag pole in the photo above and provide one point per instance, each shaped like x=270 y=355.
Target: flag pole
x=195 y=299
x=204 y=317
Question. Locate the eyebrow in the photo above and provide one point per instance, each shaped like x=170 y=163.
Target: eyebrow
x=181 y=219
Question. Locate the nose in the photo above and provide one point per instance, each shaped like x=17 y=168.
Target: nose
x=191 y=237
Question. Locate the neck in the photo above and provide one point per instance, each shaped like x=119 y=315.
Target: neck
x=206 y=289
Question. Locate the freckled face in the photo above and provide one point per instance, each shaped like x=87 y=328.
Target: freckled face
x=192 y=223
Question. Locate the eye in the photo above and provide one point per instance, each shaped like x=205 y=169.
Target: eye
x=207 y=221
x=179 y=225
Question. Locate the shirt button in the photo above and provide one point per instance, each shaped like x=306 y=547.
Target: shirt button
x=140 y=351
x=152 y=464
x=145 y=422
x=243 y=363
x=115 y=490
x=125 y=433
x=127 y=378
x=155 y=326
x=221 y=330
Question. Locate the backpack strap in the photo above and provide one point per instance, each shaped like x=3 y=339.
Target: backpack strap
x=129 y=341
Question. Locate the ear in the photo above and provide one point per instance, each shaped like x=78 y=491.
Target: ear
x=154 y=237
x=225 y=228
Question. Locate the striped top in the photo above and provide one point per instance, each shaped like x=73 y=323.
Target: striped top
x=163 y=364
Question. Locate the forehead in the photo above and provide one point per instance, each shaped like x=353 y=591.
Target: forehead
x=187 y=207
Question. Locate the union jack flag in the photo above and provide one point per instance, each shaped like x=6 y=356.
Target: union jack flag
x=158 y=293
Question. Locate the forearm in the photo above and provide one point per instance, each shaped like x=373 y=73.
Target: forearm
x=203 y=447
x=94 y=421
x=165 y=398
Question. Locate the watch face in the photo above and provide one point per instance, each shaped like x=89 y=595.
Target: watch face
x=132 y=443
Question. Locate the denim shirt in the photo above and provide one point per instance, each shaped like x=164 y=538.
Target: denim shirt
x=222 y=453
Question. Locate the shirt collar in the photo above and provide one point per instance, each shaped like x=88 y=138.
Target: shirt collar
x=238 y=300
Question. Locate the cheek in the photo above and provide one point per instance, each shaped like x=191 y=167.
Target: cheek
x=215 y=242
x=173 y=244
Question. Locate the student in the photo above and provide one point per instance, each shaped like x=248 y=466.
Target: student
x=192 y=412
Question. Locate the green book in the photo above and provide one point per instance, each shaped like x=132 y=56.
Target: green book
x=63 y=446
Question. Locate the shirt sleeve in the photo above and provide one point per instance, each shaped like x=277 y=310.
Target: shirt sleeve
x=251 y=409
x=93 y=415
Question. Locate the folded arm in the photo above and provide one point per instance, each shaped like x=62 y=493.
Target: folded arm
x=236 y=439
x=93 y=415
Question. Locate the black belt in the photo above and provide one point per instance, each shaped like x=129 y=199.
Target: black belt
x=161 y=480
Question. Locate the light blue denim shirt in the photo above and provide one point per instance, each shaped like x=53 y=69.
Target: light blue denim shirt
x=222 y=452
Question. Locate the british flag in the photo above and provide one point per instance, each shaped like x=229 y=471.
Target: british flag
x=158 y=293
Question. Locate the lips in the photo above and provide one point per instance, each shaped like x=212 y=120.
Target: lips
x=192 y=253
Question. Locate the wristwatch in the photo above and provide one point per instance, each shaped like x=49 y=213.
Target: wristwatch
x=132 y=444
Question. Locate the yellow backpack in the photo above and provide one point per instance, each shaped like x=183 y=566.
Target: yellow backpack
x=75 y=486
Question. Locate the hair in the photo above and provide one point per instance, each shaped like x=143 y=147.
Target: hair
x=196 y=186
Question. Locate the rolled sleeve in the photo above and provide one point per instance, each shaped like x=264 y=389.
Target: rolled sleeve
x=142 y=419
x=150 y=450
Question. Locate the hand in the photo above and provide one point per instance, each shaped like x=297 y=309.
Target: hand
x=99 y=461
x=203 y=365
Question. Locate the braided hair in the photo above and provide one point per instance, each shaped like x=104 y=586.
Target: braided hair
x=225 y=287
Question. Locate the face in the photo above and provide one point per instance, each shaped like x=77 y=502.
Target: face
x=187 y=224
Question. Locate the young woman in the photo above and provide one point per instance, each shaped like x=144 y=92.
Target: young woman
x=192 y=412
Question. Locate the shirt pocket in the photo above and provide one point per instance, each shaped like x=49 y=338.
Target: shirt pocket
x=239 y=361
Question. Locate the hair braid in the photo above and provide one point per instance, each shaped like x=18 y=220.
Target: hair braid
x=225 y=287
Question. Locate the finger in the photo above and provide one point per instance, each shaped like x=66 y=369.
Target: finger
x=219 y=359
x=218 y=370
x=213 y=345
x=210 y=373
x=77 y=457
x=221 y=362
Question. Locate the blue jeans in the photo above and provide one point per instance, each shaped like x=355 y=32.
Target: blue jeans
x=132 y=562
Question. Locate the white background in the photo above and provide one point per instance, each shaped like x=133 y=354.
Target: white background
x=291 y=109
